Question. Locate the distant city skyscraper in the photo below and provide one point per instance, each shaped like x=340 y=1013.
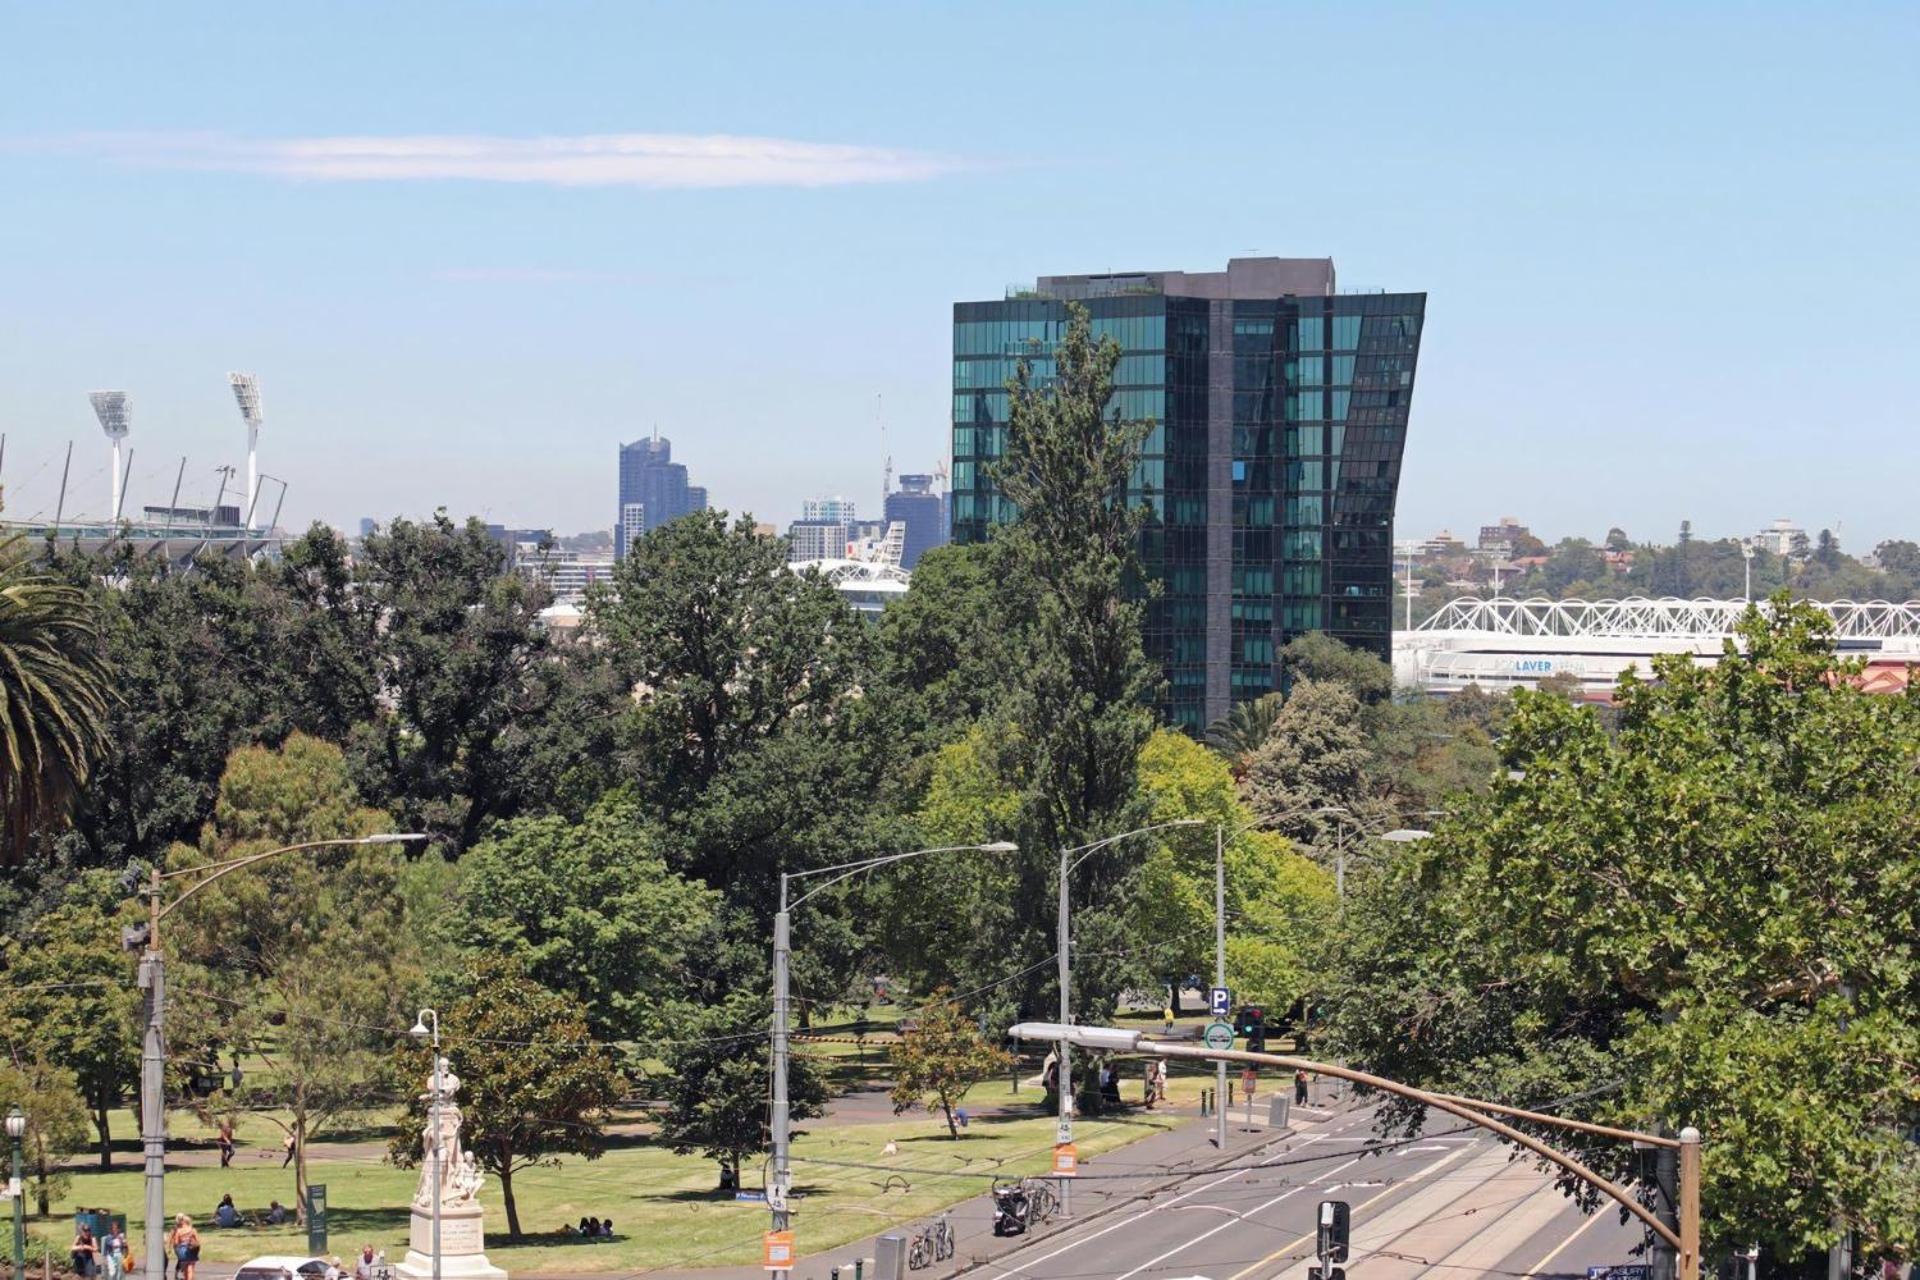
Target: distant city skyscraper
x=919 y=506
x=653 y=490
x=840 y=509
x=816 y=540
x=367 y=525
x=1279 y=411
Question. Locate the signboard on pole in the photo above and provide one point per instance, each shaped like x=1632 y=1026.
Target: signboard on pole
x=1219 y=1036
x=316 y=1218
x=1219 y=1001
x=776 y=1251
x=1066 y=1161
x=1249 y=1079
x=1062 y=1131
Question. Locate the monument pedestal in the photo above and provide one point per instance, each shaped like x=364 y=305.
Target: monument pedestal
x=463 y=1254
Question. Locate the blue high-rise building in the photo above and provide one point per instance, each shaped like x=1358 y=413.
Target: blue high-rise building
x=653 y=490
x=923 y=511
x=1279 y=411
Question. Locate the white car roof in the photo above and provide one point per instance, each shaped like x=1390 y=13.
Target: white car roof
x=282 y=1261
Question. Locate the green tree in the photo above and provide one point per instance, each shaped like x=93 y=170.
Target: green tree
x=1319 y=657
x=56 y=1120
x=66 y=971
x=53 y=698
x=534 y=1085
x=949 y=649
x=1316 y=758
x=717 y=1086
x=1081 y=701
x=303 y=958
x=461 y=649
x=1243 y=730
x=937 y=1061
x=590 y=910
x=1705 y=918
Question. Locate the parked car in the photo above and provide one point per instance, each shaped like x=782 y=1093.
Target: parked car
x=275 y=1266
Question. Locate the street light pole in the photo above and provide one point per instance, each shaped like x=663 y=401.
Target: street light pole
x=421 y=1031
x=153 y=1052
x=1220 y=976
x=16 y=1129
x=1063 y=935
x=781 y=1120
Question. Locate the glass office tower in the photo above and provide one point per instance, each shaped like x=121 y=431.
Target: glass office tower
x=1279 y=410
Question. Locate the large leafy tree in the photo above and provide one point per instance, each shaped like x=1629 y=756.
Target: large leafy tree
x=936 y=1061
x=750 y=745
x=1706 y=918
x=69 y=987
x=54 y=698
x=56 y=1120
x=589 y=910
x=534 y=1084
x=1316 y=758
x=717 y=1086
x=1079 y=710
x=304 y=958
x=460 y=656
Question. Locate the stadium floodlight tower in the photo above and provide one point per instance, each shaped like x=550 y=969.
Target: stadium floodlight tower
x=115 y=412
x=246 y=393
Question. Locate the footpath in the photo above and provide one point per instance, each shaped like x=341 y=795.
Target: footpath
x=1110 y=1183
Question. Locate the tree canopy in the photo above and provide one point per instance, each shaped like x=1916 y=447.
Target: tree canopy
x=1706 y=918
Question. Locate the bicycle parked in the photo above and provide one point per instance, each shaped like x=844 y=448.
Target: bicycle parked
x=933 y=1244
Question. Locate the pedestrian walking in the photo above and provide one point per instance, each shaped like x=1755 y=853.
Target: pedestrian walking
x=113 y=1251
x=1166 y=1016
x=290 y=1149
x=1300 y=1088
x=184 y=1242
x=226 y=1142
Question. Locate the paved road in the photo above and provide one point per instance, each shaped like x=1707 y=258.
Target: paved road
x=1450 y=1206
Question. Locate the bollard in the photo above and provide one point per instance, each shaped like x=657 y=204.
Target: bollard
x=833 y=1273
x=860 y=1266
x=890 y=1260
x=1229 y=1093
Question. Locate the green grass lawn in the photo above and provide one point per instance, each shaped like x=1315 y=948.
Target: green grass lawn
x=663 y=1206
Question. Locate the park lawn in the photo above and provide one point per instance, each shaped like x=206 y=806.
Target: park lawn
x=663 y=1206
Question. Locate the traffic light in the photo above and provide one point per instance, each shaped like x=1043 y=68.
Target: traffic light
x=1251 y=1022
x=1335 y=1219
x=1325 y=1273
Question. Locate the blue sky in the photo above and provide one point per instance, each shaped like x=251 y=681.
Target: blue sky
x=468 y=247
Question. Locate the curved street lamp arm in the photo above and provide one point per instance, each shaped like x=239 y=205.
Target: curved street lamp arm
x=1088 y=850
x=1463 y=1108
x=847 y=870
x=218 y=869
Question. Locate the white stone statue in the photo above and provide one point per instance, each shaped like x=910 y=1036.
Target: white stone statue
x=456 y=1185
x=462 y=1228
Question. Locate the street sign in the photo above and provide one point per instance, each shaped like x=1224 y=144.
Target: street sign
x=776 y=1251
x=1219 y=1036
x=1621 y=1271
x=1249 y=1080
x=316 y=1218
x=1219 y=1001
x=1062 y=1131
x=755 y=1197
x=1066 y=1161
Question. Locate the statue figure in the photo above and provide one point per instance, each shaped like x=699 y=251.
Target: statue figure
x=459 y=1174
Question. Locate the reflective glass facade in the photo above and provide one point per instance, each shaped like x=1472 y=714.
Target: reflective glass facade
x=1269 y=475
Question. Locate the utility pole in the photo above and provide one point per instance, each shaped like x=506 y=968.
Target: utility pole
x=153 y=1051
x=1064 y=1069
x=153 y=1076
x=782 y=1116
x=1220 y=976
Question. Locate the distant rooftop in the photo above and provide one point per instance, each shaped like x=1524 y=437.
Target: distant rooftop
x=1244 y=278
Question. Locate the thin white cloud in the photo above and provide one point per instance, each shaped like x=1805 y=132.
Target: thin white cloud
x=657 y=160
x=538 y=275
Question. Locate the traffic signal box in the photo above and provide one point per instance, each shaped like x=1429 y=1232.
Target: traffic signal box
x=1251 y=1023
x=1335 y=1222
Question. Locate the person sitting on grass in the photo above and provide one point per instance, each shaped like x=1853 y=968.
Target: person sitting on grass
x=606 y=1229
x=276 y=1213
x=226 y=1215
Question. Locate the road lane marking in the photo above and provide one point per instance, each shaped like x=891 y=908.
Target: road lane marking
x=1289 y=1247
x=1566 y=1244
x=1259 y=1208
x=1018 y=1264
